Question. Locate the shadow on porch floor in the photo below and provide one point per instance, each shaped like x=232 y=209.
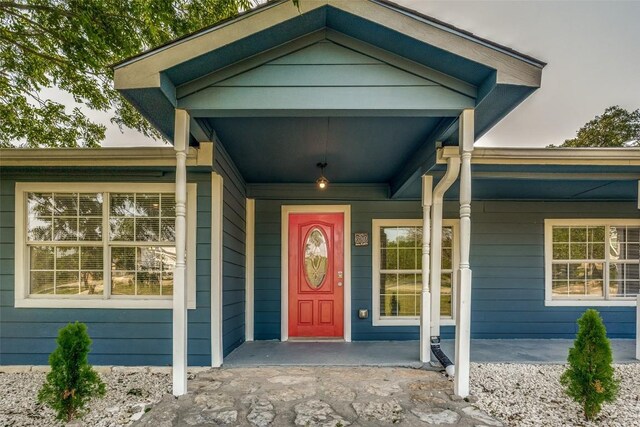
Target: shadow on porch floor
x=406 y=353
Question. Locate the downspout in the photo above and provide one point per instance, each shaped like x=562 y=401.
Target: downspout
x=450 y=176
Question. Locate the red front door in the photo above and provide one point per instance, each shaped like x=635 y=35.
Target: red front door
x=316 y=275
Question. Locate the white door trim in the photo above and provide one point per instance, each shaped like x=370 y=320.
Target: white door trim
x=217 y=348
x=284 y=257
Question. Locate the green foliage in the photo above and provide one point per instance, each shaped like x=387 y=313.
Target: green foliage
x=72 y=382
x=70 y=45
x=589 y=379
x=615 y=127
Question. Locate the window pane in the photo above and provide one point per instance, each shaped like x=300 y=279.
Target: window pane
x=121 y=229
x=39 y=204
x=445 y=295
x=389 y=305
x=616 y=288
x=168 y=230
x=561 y=234
x=560 y=271
x=123 y=258
x=65 y=204
x=168 y=204
x=389 y=259
x=407 y=305
x=65 y=229
x=123 y=283
x=39 y=229
x=447 y=259
x=168 y=258
x=148 y=205
x=42 y=282
x=122 y=204
x=67 y=282
x=560 y=288
x=147 y=230
x=68 y=258
x=578 y=234
x=167 y=283
x=91 y=258
x=91 y=204
x=407 y=259
x=148 y=283
x=41 y=257
x=596 y=251
x=447 y=237
x=561 y=251
x=595 y=288
x=406 y=284
x=90 y=229
x=632 y=288
x=577 y=287
x=91 y=283
x=149 y=259
x=578 y=251
x=388 y=283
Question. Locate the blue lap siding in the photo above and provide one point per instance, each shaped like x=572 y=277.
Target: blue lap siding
x=120 y=337
x=233 y=251
x=507 y=258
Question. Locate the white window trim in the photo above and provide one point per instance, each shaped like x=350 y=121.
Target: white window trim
x=549 y=301
x=22 y=297
x=378 y=320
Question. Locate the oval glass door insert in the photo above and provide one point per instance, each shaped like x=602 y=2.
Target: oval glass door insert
x=316 y=260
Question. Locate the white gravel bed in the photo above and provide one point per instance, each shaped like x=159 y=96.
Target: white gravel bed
x=129 y=392
x=531 y=395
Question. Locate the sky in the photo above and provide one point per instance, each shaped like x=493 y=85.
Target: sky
x=592 y=49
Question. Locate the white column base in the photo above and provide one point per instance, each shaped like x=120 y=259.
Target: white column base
x=425 y=318
x=463 y=335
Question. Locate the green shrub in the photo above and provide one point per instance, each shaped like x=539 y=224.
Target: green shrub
x=72 y=382
x=589 y=379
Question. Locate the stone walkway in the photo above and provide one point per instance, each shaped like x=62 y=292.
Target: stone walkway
x=317 y=396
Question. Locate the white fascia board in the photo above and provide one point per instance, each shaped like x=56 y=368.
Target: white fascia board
x=547 y=156
x=96 y=157
x=143 y=71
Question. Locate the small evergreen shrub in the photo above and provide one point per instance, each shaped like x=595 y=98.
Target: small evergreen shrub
x=72 y=382
x=589 y=379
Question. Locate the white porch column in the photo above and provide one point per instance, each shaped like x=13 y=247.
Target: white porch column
x=181 y=145
x=453 y=168
x=425 y=313
x=463 y=312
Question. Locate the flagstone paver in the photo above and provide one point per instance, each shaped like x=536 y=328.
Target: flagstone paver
x=316 y=396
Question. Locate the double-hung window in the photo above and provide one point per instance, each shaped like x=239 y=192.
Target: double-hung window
x=397 y=271
x=592 y=261
x=99 y=245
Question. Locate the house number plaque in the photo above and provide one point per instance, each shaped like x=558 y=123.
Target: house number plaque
x=361 y=239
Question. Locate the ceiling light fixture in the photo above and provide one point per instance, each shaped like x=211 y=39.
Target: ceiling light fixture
x=322 y=181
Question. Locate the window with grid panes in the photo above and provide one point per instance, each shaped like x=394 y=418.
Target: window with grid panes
x=86 y=243
x=594 y=261
x=399 y=272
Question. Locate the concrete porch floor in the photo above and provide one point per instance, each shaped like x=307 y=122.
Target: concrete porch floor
x=406 y=353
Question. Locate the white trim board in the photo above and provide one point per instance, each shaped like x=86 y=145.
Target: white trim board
x=284 y=263
x=217 y=206
x=249 y=269
x=376 y=319
x=605 y=301
x=107 y=156
x=21 y=260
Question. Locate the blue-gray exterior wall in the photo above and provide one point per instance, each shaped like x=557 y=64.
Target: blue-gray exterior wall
x=507 y=258
x=233 y=251
x=120 y=337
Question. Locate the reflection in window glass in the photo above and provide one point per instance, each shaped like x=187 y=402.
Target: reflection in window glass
x=595 y=261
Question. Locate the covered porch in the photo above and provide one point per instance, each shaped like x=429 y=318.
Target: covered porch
x=365 y=87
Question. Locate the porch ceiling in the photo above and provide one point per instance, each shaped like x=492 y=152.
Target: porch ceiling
x=357 y=149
